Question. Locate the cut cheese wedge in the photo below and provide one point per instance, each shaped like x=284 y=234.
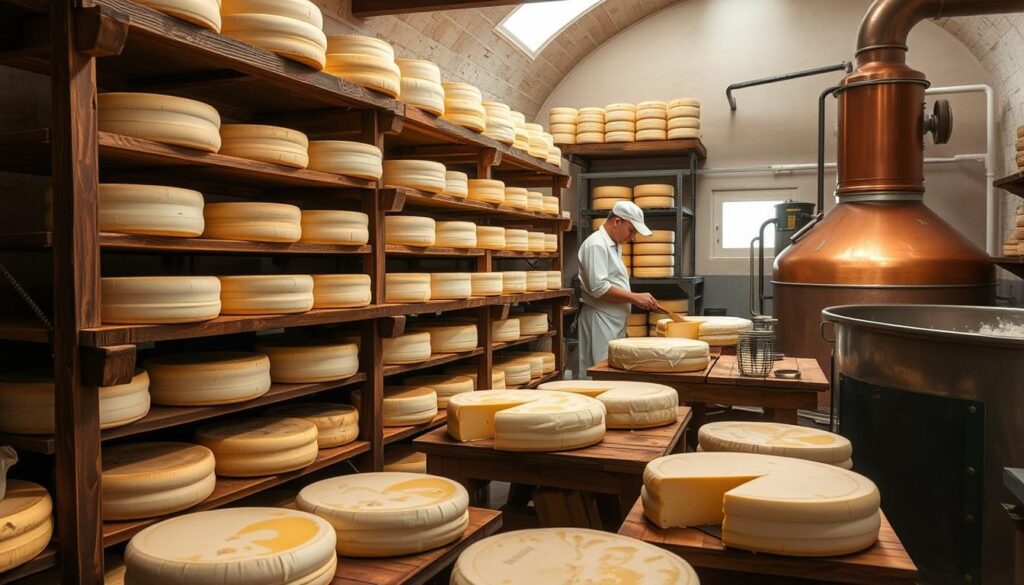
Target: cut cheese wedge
x=449 y=338
x=628 y=405
x=336 y=424
x=159 y=299
x=546 y=556
x=410 y=230
x=490 y=237
x=486 y=190
x=272 y=144
x=486 y=284
x=405 y=405
x=342 y=157
x=290 y=38
x=783 y=440
x=234 y=546
x=532 y=323
x=204 y=13
x=679 y=329
x=455 y=234
x=444 y=385
x=406 y=287
x=337 y=227
x=259 y=446
x=150 y=210
x=26 y=516
x=658 y=354
x=425 y=175
x=389 y=513
x=404 y=459
x=208 y=378
x=145 y=480
x=407 y=349
x=254 y=222
x=265 y=294
x=160 y=118
x=450 y=286
x=456 y=184
x=309 y=361
x=505 y=330
x=341 y=291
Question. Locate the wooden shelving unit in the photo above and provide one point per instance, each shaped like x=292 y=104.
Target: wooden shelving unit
x=1013 y=184
x=118 y=45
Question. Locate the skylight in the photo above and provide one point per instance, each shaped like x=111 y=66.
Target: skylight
x=532 y=26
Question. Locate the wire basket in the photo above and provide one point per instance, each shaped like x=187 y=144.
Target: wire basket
x=755 y=353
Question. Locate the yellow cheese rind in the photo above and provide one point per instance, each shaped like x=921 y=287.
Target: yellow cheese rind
x=554 y=279
x=444 y=385
x=420 y=69
x=450 y=285
x=25 y=515
x=160 y=118
x=490 y=237
x=336 y=424
x=517 y=372
x=208 y=378
x=254 y=222
x=486 y=190
x=423 y=94
x=406 y=287
x=517 y=240
x=362 y=45
x=27 y=403
x=290 y=38
x=405 y=459
x=532 y=323
x=424 y=175
x=305 y=362
x=410 y=230
x=272 y=144
x=159 y=299
x=150 y=210
x=204 y=13
x=505 y=330
x=145 y=480
x=449 y=338
x=486 y=284
x=342 y=157
x=258 y=446
x=778 y=439
x=366 y=70
x=658 y=354
x=341 y=291
x=513 y=281
x=455 y=234
x=266 y=294
x=405 y=405
x=456 y=184
x=681 y=329
x=407 y=349
x=330 y=226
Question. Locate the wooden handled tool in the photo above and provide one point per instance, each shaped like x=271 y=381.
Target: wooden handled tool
x=674 y=316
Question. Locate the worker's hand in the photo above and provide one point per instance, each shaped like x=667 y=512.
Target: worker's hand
x=645 y=301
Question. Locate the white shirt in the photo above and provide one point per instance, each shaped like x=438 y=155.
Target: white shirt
x=601 y=267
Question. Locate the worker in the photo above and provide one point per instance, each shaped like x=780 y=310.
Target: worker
x=605 y=281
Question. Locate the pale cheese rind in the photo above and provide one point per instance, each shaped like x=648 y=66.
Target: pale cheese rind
x=767 y=438
x=336 y=424
x=629 y=405
x=258 y=446
x=304 y=362
x=405 y=405
x=145 y=480
x=159 y=299
x=208 y=378
x=26 y=521
x=444 y=385
x=266 y=294
x=27 y=403
x=252 y=221
x=658 y=354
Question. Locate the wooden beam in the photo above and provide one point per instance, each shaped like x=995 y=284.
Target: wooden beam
x=392 y=200
x=100 y=31
x=392 y=327
x=365 y=8
x=486 y=161
x=500 y=312
x=108 y=366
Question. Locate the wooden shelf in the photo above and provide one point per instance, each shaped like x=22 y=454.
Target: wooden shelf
x=652 y=149
x=432 y=251
x=435 y=360
x=1014 y=264
x=395 y=434
x=521 y=341
x=525 y=255
x=140 y=243
x=1013 y=183
x=422 y=200
x=545 y=378
x=43 y=561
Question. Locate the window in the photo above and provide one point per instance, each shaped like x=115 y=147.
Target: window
x=738 y=218
x=532 y=26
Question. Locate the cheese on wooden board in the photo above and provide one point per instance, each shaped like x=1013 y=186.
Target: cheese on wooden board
x=405 y=405
x=678 y=123
x=679 y=329
x=517 y=372
x=765 y=503
x=25 y=514
x=258 y=446
x=554 y=278
x=160 y=118
x=550 y=204
x=513 y=281
x=152 y=210
x=290 y=38
x=410 y=230
x=515 y=198
x=27 y=403
x=271 y=144
x=456 y=184
x=404 y=459
x=779 y=439
x=619 y=120
x=159 y=299
x=462 y=91
x=419 y=69
x=425 y=95
x=517 y=240
x=407 y=349
x=341 y=291
x=612 y=192
x=389 y=513
x=497 y=375
x=464 y=113
x=681 y=133
x=504 y=330
x=425 y=175
x=499 y=122
x=309 y=361
x=628 y=405
x=336 y=424
x=485 y=284
x=536 y=281
x=535 y=241
x=653 y=272
x=444 y=385
x=234 y=546
x=538 y=147
x=532 y=323
x=266 y=294
x=360 y=45
x=448 y=337
x=343 y=157
x=204 y=13
x=535 y=363
x=450 y=286
x=636 y=331
x=455 y=234
x=658 y=354
x=490 y=237
x=253 y=222
x=590 y=137
x=564 y=138
x=653 y=260
x=653 y=249
x=368 y=70
x=651 y=135
x=522 y=141
x=406 y=287
x=338 y=227
x=554 y=154
x=145 y=480
x=555 y=556
x=611 y=137
x=208 y=378
x=486 y=190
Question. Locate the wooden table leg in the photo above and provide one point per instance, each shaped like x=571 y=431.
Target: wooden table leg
x=699 y=411
x=782 y=415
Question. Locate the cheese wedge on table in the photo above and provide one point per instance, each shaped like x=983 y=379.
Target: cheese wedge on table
x=145 y=480
x=332 y=226
x=208 y=378
x=336 y=424
x=159 y=299
x=341 y=291
x=658 y=354
x=259 y=446
x=405 y=405
x=149 y=210
x=444 y=385
x=344 y=157
x=27 y=403
x=628 y=405
x=779 y=439
x=26 y=517
x=266 y=294
x=303 y=362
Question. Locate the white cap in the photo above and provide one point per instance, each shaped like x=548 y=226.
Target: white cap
x=632 y=213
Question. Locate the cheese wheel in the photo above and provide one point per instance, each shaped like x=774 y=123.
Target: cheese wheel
x=623 y=106
x=266 y=294
x=27 y=403
x=455 y=234
x=404 y=459
x=160 y=118
x=462 y=91
x=536 y=241
x=715 y=326
x=684 y=102
x=410 y=230
x=407 y=349
x=550 y=204
x=591 y=111
x=683 y=112
x=677 y=123
x=341 y=291
x=258 y=446
x=406 y=287
x=145 y=480
x=405 y=405
x=515 y=198
x=628 y=405
x=234 y=546
x=550 y=242
x=649 y=135
x=290 y=38
x=536 y=281
x=444 y=385
x=517 y=240
x=486 y=284
x=486 y=190
x=370 y=71
x=362 y=45
x=253 y=222
x=654 y=272
x=497 y=376
x=628 y=126
x=150 y=210
x=25 y=513
x=271 y=144
x=204 y=13
x=450 y=286
x=389 y=513
x=490 y=237
x=554 y=279
x=208 y=378
x=657 y=237
x=517 y=372
x=682 y=133
x=343 y=157
x=450 y=338
x=614 y=117
x=658 y=354
x=505 y=330
x=590 y=137
x=636 y=331
x=298 y=9
x=532 y=323
x=457 y=113
x=502 y=131
x=611 y=137
x=652 y=260
x=538 y=147
x=651 y=124
x=423 y=94
x=556 y=128
x=654 y=190
x=612 y=192
x=560 y=138
x=547 y=359
x=776 y=439
x=304 y=362
x=652 y=249
x=606 y=203
x=336 y=227
x=652 y=112
x=534 y=201
x=564 y=111
x=526 y=420
x=159 y=299
x=419 y=69
x=535 y=363
x=513 y=281
x=590 y=127
x=425 y=175
x=456 y=184
x=336 y=424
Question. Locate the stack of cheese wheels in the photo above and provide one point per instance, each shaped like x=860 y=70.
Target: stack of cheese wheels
x=463 y=105
x=150 y=210
x=550 y=242
x=654 y=261
x=636 y=325
x=448 y=337
x=258 y=446
x=513 y=281
x=517 y=240
x=336 y=424
x=562 y=124
x=515 y=198
x=550 y=204
x=658 y=354
x=590 y=125
x=651 y=121
x=527 y=420
x=208 y=378
x=272 y=144
x=26 y=515
x=335 y=226
x=522 y=141
x=387 y=514
x=293 y=28
x=499 y=122
x=554 y=156
x=628 y=405
x=421 y=85
x=266 y=294
x=490 y=237
x=653 y=319
x=425 y=175
x=538 y=147
x=344 y=157
x=504 y=330
x=404 y=459
x=410 y=230
x=145 y=480
x=620 y=123
x=654 y=195
x=497 y=375
x=606 y=196
x=341 y=291
x=27 y=403
x=364 y=61
x=532 y=323
x=720 y=331
x=235 y=546
x=535 y=201
x=767 y=438
x=204 y=13
x=253 y=222
x=536 y=241
x=450 y=286
x=546 y=359
x=308 y=361
x=405 y=405
x=486 y=284
x=407 y=349
x=455 y=234
x=683 y=119
x=159 y=299
x=456 y=184
x=1011 y=247
x=554 y=279
x=517 y=372
x=160 y=118
x=536 y=281
x=444 y=385
x=406 y=287
x=544 y=556
x=486 y=190
x=764 y=503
